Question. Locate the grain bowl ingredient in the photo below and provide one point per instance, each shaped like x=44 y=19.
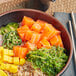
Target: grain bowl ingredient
x=9 y=27
x=49 y=61
x=11 y=39
x=2 y=73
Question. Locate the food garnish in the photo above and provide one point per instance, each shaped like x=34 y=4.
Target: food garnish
x=11 y=39
x=9 y=27
x=50 y=61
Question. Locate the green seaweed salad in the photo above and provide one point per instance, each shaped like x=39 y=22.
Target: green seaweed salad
x=50 y=61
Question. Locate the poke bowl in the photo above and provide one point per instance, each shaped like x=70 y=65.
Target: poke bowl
x=33 y=43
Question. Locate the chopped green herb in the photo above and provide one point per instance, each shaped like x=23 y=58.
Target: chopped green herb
x=10 y=39
x=50 y=61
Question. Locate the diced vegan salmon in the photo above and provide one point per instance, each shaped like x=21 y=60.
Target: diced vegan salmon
x=41 y=23
x=49 y=31
x=22 y=30
x=36 y=27
x=27 y=21
x=20 y=51
x=43 y=43
x=35 y=38
x=49 y=35
x=56 y=40
x=39 y=45
x=49 y=28
x=28 y=35
x=29 y=46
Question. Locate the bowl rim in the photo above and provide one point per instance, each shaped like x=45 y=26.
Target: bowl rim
x=38 y=11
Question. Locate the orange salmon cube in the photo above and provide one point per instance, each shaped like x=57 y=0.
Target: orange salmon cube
x=35 y=38
x=36 y=27
x=56 y=40
x=49 y=28
x=22 y=36
x=20 y=51
x=49 y=35
x=29 y=46
x=27 y=21
x=49 y=31
x=41 y=23
x=16 y=51
x=39 y=45
x=28 y=35
x=22 y=30
x=43 y=43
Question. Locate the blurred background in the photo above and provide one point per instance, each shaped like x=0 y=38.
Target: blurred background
x=45 y=5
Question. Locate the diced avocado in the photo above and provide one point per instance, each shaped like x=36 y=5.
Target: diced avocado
x=13 y=24
x=2 y=30
x=7 y=29
x=11 y=28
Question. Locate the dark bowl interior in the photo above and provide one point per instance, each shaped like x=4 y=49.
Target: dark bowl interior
x=17 y=15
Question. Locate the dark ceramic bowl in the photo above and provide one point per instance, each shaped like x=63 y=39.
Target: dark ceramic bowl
x=17 y=15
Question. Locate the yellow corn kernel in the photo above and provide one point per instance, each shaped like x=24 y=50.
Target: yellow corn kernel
x=5 y=52
x=16 y=60
x=22 y=61
x=1 y=49
x=8 y=52
x=1 y=61
x=2 y=66
x=0 y=56
x=13 y=68
x=9 y=67
x=2 y=73
x=7 y=59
